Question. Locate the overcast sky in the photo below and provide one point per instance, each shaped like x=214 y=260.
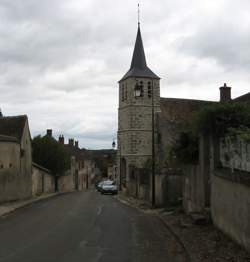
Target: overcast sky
x=60 y=60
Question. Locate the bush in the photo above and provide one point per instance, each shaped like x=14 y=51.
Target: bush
x=50 y=154
x=218 y=119
x=186 y=149
x=221 y=119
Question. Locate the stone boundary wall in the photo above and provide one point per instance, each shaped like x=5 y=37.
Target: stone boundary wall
x=66 y=183
x=193 y=189
x=43 y=182
x=168 y=186
x=230 y=205
x=235 y=153
x=13 y=186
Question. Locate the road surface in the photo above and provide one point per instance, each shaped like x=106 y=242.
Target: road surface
x=83 y=226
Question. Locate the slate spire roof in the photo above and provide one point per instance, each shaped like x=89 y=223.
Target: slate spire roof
x=138 y=67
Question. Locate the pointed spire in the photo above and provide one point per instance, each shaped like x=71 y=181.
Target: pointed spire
x=138 y=67
x=138 y=59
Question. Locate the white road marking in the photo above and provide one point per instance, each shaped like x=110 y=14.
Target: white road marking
x=99 y=210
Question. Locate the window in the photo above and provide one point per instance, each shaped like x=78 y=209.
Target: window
x=141 y=88
x=126 y=93
x=149 y=89
x=248 y=151
x=122 y=89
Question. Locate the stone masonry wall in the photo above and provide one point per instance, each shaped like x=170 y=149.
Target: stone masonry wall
x=43 y=182
x=135 y=123
x=13 y=185
x=230 y=207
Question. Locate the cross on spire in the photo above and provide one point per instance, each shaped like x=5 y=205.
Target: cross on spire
x=138 y=67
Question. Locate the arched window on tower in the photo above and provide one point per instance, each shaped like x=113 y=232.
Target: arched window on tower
x=149 y=89
x=126 y=92
x=122 y=89
x=142 y=88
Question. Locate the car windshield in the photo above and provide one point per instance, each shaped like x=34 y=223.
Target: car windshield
x=108 y=182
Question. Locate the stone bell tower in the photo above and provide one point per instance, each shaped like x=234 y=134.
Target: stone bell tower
x=139 y=99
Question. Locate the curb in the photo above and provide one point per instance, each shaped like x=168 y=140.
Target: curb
x=178 y=239
x=166 y=225
x=10 y=209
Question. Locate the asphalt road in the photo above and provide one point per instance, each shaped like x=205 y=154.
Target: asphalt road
x=86 y=227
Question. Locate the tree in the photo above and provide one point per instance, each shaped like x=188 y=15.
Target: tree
x=50 y=154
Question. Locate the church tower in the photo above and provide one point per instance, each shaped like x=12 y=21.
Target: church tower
x=139 y=100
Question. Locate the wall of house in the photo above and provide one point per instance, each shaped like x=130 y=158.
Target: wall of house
x=173 y=113
x=9 y=155
x=12 y=187
x=26 y=154
x=90 y=172
x=230 y=204
x=26 y=161
x=66 y=183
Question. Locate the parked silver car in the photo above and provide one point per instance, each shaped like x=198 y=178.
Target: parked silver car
x=108 y=187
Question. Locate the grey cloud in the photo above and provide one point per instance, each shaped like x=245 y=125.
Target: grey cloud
x=222 y=37
x=60 y=60
x=227 y=46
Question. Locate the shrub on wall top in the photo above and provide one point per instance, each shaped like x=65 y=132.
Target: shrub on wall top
x=50 y=154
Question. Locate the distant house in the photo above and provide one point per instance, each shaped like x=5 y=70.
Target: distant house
x=15 y=158
x=81 y=165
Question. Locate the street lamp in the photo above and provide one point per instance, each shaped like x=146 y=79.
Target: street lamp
x=113 y=145
x=120 y=157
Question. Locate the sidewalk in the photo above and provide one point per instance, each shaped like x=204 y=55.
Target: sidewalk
x=12 y=206
x=203 y=243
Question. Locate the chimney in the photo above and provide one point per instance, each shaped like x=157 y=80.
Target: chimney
x=71 y=141
x=49 y=132
x=61 y=139
x=76 y=144
x=225 y=93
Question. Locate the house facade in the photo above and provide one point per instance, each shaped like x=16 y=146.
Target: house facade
x=15 y=158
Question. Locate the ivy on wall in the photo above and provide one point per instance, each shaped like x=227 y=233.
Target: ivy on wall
x=220 y=120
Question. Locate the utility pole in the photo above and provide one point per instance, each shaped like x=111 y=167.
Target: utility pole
x=153 y=149
x=120 y=166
